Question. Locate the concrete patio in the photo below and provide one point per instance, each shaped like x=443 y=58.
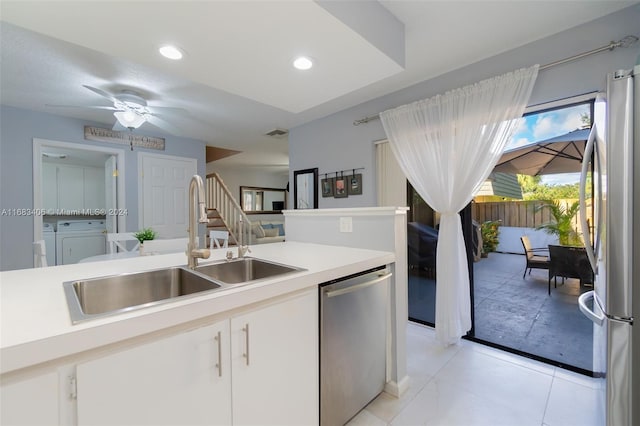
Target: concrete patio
x=518 y=313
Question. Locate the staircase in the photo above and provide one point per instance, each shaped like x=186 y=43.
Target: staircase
x=224 y=212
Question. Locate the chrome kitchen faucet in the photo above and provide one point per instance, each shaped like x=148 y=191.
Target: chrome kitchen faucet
x=196 y=200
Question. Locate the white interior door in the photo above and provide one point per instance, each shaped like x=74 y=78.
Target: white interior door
x=111 y=193
x=165 y=186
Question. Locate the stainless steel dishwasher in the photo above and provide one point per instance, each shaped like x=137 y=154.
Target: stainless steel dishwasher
x=353 y=333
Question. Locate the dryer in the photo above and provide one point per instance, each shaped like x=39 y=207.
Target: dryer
x=77 y=239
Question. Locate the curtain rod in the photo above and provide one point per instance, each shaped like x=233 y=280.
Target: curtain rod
x=342 y=171
x=624 y=42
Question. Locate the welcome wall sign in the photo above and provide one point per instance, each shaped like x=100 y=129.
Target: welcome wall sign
x=122 y=138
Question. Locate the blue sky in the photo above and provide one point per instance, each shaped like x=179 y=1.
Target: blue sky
x=545 y=125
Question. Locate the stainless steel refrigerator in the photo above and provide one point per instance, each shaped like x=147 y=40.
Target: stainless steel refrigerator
x=615 y=253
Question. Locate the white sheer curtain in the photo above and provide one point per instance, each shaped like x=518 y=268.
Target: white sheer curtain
x=446 y=146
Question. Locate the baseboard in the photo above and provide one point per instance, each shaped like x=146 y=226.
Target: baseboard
x=397 y=389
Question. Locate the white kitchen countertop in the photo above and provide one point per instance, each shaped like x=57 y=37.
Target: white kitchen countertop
x=34 y=318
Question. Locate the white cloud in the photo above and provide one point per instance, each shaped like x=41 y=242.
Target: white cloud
x=522 y=126
x=544 y=127
x=517 y=143
x=558 y=122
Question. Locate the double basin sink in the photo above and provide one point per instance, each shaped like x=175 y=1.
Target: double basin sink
x=105 y=296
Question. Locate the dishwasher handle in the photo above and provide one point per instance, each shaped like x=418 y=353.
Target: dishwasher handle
x=353 y=288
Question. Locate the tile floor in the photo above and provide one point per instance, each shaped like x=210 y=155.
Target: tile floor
x=471 y=384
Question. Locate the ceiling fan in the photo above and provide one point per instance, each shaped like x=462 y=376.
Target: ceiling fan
x=132 y=111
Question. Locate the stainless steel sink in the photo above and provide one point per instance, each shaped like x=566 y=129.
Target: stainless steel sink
x=98 y=297
x=244 y=270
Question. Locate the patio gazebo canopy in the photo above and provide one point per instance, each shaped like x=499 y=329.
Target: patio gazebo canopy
x=561 y=154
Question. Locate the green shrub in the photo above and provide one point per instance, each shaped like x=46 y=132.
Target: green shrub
x=490 y=233
x=562 y=225
x=145 y=235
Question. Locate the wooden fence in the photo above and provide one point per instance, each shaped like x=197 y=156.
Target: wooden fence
x=521 y=213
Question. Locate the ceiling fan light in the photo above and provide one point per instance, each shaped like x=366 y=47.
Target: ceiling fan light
x=130 y=119
x=302 y=63
x=171 y=52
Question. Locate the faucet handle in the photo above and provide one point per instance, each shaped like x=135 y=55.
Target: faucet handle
x=242 y=250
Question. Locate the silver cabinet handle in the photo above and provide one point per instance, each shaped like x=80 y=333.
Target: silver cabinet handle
x=350 y=289
x=219 y=364
x=246 y=337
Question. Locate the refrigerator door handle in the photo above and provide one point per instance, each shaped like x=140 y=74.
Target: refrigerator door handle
x=588 y=150
x=582 y=303
x=598 y=318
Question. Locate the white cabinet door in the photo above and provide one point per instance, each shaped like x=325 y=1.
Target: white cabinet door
x=33 y=401
x=49 y=187
x=94 y=188
x=174 y=381
x=70 y=187
x=275 y=363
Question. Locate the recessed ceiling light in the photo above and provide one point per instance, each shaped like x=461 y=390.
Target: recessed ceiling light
x=302 y=63
x=171 y=52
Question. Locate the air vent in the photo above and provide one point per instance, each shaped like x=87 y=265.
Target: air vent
x=277 y=133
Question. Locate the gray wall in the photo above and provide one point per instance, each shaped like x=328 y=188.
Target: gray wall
x=18 y=128
x=334 y=143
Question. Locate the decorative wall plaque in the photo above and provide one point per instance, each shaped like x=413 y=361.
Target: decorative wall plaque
x=122 y=138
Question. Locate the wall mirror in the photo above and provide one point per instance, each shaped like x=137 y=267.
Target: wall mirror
x=305 y=189
x=256 y=200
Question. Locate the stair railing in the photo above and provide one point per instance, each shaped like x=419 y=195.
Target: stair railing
x=220 y=198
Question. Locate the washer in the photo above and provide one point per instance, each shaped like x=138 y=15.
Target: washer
x=77 y=239
x=49 y=237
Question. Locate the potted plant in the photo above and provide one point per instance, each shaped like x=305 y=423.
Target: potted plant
x=490 y=233
x=562 y=225
x=143 y=235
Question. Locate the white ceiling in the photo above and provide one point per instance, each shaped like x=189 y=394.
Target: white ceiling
x=236 y=81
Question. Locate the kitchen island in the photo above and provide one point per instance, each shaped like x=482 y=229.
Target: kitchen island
x=39 y=341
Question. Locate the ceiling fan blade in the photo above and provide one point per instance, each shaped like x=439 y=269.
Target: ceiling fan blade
x=162 y=124
x=160 y=110
x=100 y=92
x=110 y=108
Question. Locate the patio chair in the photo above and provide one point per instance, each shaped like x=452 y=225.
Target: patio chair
x=569 y=262
x=533 y=260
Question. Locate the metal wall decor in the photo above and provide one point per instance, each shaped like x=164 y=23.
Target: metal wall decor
x=341 y=185
x=125 y=138
x=327 y=184
x=354 y=184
